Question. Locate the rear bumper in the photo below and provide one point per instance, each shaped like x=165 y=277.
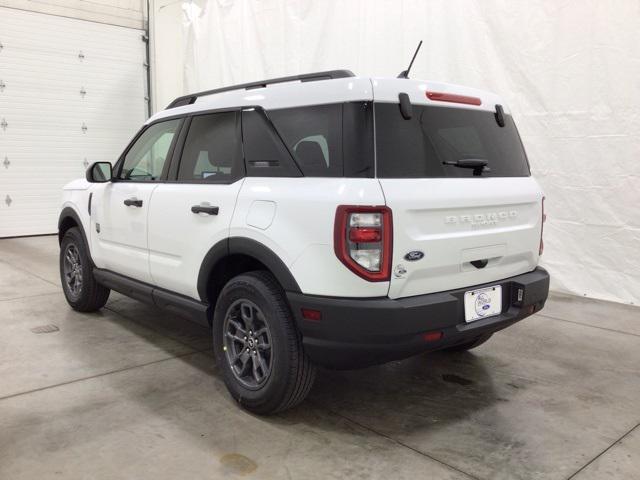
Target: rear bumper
x=355 y=332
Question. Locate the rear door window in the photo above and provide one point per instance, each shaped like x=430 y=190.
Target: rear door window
x=421 y=146
x=212 y=151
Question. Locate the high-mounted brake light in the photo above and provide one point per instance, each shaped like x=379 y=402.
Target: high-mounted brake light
x=544 y=219
x=362 y=240
x=453 y=98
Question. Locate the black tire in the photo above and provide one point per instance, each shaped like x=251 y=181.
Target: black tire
x=463 y=347
x=256 y=298
x=87 y=295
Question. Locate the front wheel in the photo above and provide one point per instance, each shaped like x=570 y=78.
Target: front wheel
x=258 y=347
x=80 y=288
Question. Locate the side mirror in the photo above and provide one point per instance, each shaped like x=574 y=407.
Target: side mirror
x=99 y=172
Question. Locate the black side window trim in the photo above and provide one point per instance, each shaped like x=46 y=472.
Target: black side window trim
x=117 y=169
x=172 y=165
x=172 y=175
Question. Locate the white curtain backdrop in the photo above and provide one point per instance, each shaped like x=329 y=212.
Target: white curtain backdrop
x=570 y=71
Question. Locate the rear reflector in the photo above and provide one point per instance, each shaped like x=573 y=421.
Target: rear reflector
x=432 y=336
x=544 y=219
x=453 y=98
x=309 y=314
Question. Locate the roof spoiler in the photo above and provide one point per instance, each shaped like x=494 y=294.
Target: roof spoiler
x=307 y=77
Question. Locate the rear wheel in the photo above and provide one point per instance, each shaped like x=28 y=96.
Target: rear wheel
x=80 y=288
x=258 y=347
x=476 y=342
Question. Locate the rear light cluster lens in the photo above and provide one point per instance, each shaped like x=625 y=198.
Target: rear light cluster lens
x=544 y=219
x=365 y=235
x=362 y=240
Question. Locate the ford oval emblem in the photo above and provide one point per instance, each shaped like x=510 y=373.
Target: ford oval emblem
x=414 y=256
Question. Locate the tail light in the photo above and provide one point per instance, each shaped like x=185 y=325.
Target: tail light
x=544 y=219
x=362 y=240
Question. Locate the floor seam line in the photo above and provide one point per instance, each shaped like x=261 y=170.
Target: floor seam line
x=78 y=380
x=28 y=272
x=28 y=296
x=587 y=325
x=398 y=442
x=603 y=452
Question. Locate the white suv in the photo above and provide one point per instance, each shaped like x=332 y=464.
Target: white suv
x=323 y=219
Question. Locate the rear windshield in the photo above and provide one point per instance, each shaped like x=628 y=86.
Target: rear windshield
x=421 y=146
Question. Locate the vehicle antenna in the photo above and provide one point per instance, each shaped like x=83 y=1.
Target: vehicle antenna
x=405 y=73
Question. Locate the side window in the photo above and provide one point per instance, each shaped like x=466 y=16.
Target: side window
x=146 y=158
x=265 y=154
x=212 y=150
x=314 y=135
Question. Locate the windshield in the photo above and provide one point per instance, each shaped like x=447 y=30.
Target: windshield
x=436 y=141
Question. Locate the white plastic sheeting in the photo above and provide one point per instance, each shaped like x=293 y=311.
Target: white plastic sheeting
x=570 y=71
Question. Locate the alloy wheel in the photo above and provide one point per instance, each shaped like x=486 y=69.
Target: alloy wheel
x=72 y=267
x=247 y=344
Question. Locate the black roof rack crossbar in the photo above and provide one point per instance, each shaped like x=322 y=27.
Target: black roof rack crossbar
x=307 y=77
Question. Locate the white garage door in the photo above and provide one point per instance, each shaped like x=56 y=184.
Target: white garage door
x=72 y=92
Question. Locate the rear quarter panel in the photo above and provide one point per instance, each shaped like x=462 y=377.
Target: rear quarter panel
x=300 y=228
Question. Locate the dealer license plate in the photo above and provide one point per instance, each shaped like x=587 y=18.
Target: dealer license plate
x=482 y=303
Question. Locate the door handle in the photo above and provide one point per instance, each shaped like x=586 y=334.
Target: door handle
x=205 y=209
x=133 y=202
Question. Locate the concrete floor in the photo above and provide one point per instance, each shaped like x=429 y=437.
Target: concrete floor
x=133 y=393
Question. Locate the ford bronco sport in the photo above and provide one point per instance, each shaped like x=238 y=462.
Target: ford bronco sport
x=323 y=219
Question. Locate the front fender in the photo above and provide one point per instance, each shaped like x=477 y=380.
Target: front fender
x=69 y=216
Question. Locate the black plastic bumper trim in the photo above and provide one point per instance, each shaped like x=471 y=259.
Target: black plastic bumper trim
x=357 y=332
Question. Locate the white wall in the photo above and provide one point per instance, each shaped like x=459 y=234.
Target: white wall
x=168 y=46
x=125 y=13
x=569 y=71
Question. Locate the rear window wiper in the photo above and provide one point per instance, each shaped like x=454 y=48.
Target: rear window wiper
x=479 y=165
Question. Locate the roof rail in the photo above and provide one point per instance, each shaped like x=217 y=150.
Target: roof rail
x=307 y=77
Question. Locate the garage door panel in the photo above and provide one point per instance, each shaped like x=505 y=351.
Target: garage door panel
x=51 y=121
x=73 y=94
x=33 y=31
x=54 y=83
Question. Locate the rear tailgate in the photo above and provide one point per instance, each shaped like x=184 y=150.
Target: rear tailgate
x=455 y=222
x=454 y=173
